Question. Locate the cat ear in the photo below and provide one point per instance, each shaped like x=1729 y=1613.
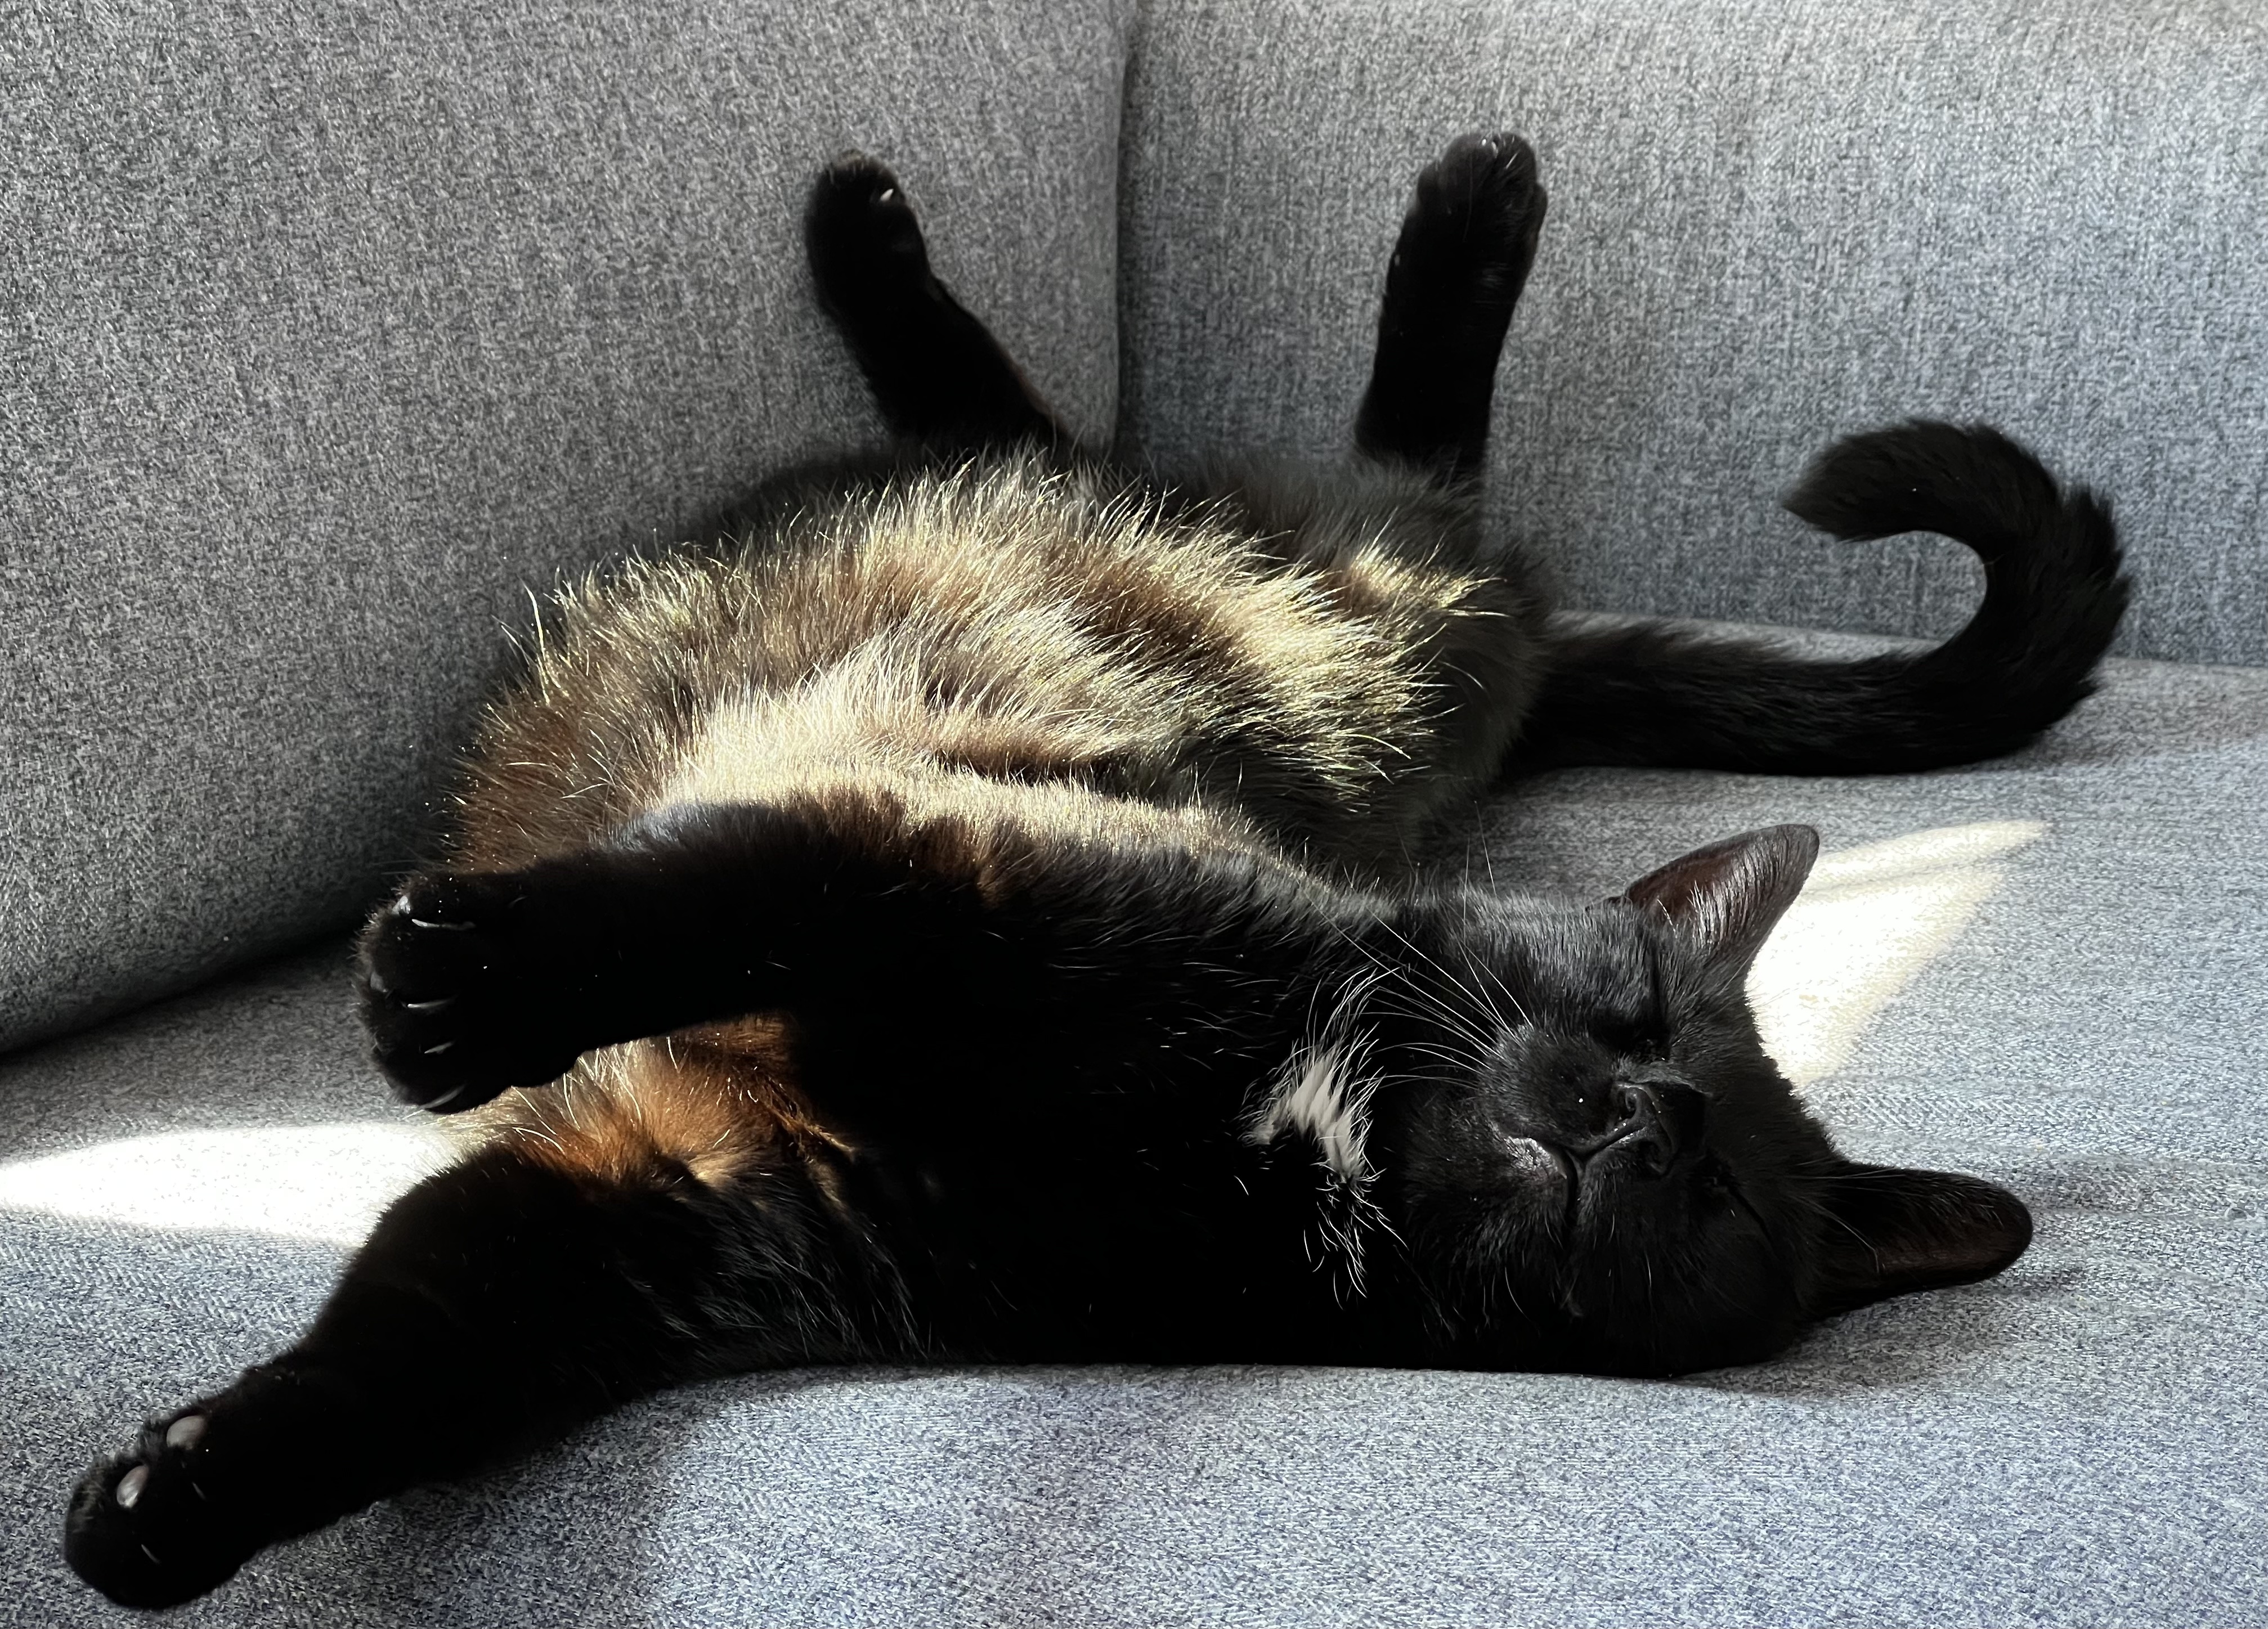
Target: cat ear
x=1732 y=893
x=1891 y=1231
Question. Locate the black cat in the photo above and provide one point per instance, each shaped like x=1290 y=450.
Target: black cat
x=964 y=916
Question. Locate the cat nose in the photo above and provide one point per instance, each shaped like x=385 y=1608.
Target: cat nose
x=1662 y=1120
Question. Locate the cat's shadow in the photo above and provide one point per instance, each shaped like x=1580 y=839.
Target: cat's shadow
x=601 y=1527
x=1923 y=1341
x=579 y=1532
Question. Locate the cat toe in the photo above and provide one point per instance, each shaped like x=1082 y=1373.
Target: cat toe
x=127 y=1493
x=419 y=954
x=860 y=198
x=856 y=181
x=1504 y=161
x=1490 y=181
x=446 y=1067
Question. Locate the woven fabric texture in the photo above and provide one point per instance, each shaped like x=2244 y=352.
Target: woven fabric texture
x=1770 y=223
x=2048 y=970
x=332 y=328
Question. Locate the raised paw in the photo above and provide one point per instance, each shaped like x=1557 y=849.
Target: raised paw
x=865 y=245
x=941 y=380
x=1459 y=264
x=1479 y=210
x=146 y=1530
x=463 y=990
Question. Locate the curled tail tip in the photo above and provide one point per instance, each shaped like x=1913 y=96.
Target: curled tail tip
x=2054 y=597
x=1970 y=482
x=1922 y=475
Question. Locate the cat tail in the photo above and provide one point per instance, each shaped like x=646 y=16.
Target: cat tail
x=1649 y=694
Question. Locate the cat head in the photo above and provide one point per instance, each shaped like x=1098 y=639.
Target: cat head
x=1597 y=1167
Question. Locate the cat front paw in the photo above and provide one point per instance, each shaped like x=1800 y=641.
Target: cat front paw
x=461 y=990
x=146 y=1530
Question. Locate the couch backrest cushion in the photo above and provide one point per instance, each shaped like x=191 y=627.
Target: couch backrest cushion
x=1770 y=223
x=333 y=328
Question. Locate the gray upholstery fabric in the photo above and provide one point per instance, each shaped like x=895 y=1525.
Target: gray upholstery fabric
x=329 y=327
x=1771 y=222
x=2049 y=971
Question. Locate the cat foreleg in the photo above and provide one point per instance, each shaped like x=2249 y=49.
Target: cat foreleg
x=497 y=1305
x=475 y=982
x=889 y=939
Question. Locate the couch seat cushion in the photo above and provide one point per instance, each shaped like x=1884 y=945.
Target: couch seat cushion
x=2048 y=970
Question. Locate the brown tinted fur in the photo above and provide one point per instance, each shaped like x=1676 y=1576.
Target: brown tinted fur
x=1011 y=645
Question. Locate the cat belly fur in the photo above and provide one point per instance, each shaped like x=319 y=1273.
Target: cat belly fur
x=1009 y=646
x=1007 y=629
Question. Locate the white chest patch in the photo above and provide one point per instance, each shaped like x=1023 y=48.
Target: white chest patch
x=1323 y=1093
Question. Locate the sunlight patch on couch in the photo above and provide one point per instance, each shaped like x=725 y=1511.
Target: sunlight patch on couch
x=312 y=1182
x=1868 y=921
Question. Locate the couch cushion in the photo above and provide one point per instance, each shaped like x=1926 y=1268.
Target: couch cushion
x=1772 y=221
x=2049 y=971
x=332 y=326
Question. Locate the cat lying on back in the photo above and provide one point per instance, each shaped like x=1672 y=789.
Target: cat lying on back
x=964 y=916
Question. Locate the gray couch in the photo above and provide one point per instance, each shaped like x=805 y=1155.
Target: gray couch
x=332 y=330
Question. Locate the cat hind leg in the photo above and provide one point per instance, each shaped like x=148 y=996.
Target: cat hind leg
x=169 y=1520
x=1463 y=256
x=940 y=378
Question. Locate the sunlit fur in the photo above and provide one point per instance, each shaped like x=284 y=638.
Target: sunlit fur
x=1020 y=639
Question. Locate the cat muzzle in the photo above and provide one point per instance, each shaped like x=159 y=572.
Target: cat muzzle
x=1662 y=1120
